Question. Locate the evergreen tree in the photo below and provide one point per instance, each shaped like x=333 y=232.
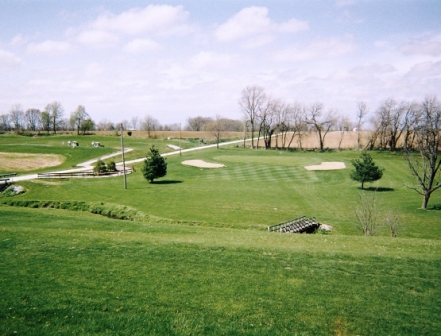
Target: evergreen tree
x=154 y=165
x=365 y=170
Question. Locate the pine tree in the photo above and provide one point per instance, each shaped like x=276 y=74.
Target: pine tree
x=154 y=165
x=365 y=170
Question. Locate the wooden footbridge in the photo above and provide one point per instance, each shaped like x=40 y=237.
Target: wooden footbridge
x=297 y=225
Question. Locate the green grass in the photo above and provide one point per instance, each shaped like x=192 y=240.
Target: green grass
x=255 y=190
x=211 y=267
x=64 y=274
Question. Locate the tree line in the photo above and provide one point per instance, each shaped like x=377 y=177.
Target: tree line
x=394 y=124
x=52 y=119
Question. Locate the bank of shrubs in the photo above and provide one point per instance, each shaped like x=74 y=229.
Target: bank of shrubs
x=113 y=211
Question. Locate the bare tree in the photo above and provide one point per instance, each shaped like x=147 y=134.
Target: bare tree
x=281 y=111
x=362 y=112
x=55 y=111
x=5 y=124
x=251 y=103
x=393 y=118
x=78 y=117
x=198 y=123
x=46 y=121
x=368 y=214
x=425 y=166
x=149 y=124
x=343 y=125
x=321 y=124
x=33 y=119
x=216 y=127
x=268 y=121
x=392 y=221
x=105 y=125
x=16 y=115
x=135 y=122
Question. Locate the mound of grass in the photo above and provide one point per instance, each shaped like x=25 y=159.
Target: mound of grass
x=69 y=274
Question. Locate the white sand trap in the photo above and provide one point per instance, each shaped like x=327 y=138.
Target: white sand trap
x=174 y=147
x=202 y=164
x=327 y=166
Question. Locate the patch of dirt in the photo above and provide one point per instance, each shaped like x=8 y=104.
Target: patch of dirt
x=20 y=162
x=327 y=166
x=202 y=164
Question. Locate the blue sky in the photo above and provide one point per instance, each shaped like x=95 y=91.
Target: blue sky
x=178 y=59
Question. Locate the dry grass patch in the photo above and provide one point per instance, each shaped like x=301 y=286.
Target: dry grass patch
x=26 y=162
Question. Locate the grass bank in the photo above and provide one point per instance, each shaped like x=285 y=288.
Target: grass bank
x=64 y=274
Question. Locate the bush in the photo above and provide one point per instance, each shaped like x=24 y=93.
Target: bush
x=99 y=168
x=111 y=166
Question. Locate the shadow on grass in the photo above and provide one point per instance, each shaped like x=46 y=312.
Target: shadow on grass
x=435 y=207
x=379 y=189
x=167 y=182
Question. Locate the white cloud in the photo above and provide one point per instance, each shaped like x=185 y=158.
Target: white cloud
x=97 y=38
x=325 y=48
x=424 y=45
x=426 y=70
x=253 y=21
x=371 y=69
x=141 y=45
x=161 y=19
x=8 y=60
x=49 y=47
x=206 y=59
x=18 y=40
x=344 y=3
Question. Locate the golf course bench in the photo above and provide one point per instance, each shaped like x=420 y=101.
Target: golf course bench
x=297 y=225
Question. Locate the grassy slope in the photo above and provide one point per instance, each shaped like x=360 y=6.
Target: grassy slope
x=64 y=274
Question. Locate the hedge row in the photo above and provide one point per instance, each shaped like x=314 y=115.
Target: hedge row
x=108 y=210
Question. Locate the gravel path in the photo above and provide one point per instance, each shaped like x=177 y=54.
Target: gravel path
x=88 y=165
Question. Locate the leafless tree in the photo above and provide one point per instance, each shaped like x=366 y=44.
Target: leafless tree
x=362 y=112
x=78 y=117
x=171 y=127
x=425 y=166
x=134 y=122
x=5 y=124
x=268 y=121
x=343 y=125
x=368 y=213
x=322 y=124
x=252 y=102
x=149 y=124
x=392 y=221
x=105 y=125
x=33 y=119
x=198 y=123
x=16 y=116
x=216 y=127
x=281 y=111
x=393 y=118
x=55 y=111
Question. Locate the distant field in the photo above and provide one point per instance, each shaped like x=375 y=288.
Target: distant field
x=204 y=263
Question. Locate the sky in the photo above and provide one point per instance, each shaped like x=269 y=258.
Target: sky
x=178 y=59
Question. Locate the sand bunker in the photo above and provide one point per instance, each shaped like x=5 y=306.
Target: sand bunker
x=24 y=161
x=202 y=164
x=327 y=166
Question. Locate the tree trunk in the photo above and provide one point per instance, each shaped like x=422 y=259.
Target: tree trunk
x=426 y=197
x=362 y=185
